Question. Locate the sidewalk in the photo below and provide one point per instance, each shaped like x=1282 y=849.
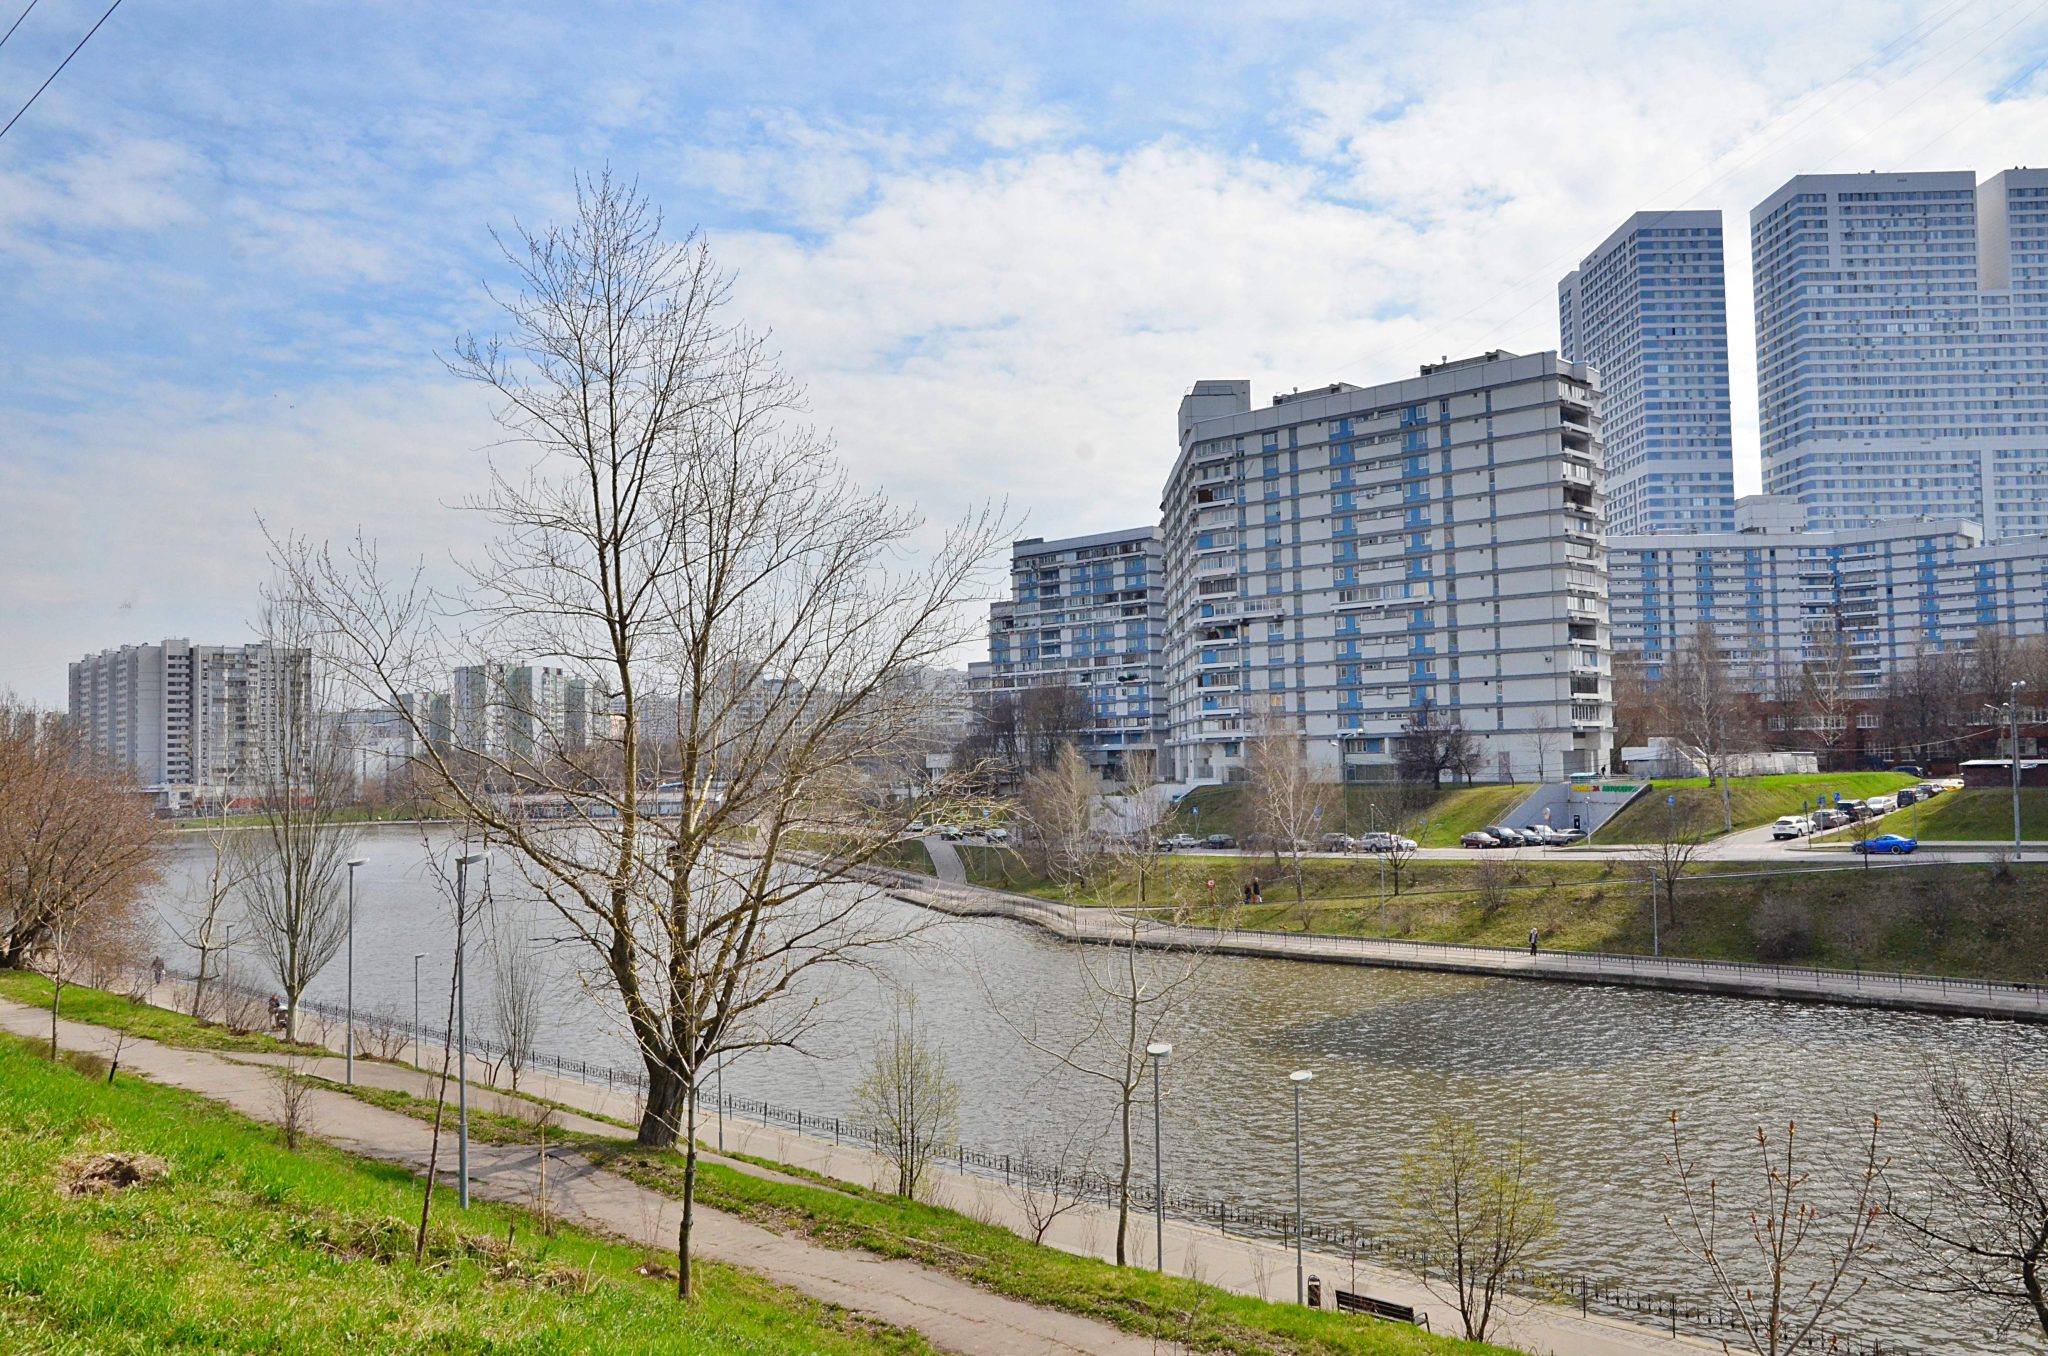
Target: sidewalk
x=1246 y=1266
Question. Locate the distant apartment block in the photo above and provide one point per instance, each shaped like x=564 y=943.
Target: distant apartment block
x=1902 y=347
x=191 y=717
x=1648 y=310
x=1846 y=607
x=518 y=715
x=1085 y=613
x=1346 y=557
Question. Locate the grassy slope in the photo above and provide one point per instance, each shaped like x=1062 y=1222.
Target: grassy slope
x=1435 y=818
x=1979 y=816
x=1755 y=800
x=246 y=1247
x=137 y=1019
x=1973 y=923
x=908 y=855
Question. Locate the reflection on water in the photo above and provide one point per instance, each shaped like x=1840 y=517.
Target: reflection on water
x=1588 y=1074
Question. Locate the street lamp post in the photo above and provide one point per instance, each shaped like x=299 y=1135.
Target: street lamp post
x=2015 y=691
x=348 y=1058
x=1159 y=1050
x=1297 y=1078
x=1343 y=791
x=419 y=1037
x=462 y=865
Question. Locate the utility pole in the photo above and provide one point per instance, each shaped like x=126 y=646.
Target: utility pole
x=2015 y=706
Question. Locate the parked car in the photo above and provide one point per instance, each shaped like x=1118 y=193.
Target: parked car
x=1506 y=836
x=1540 y=833
x=1909 y=769
x=1385 y=842
x=917 y=826
x=1479 y=838
x=1791 y=826
x=1164 y=845
x=1219 y=840
x=1928 y=790
x=1897 y=844
x=1566 y=837
x=1828 y=819
x=1338 y=842
x=952 y=833
x=998 y=835
x=1184 y=840
x=1908 y=795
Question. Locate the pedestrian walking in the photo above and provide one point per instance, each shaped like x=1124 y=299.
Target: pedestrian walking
x=156 y=971
x=1258 y=895
x=1245 y=894
x=1532 y=941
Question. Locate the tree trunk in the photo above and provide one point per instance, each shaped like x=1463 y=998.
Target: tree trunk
x=1123 y=1191
x=666 y=1096
x=689 y=1200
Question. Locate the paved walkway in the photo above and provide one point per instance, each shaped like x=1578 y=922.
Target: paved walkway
x=952 y=1314
x=945 y=860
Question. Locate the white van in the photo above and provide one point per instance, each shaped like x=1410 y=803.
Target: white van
x=1792 y=826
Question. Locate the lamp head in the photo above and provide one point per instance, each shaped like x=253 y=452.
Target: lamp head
x=1300 y=1076
x=472 y=859
x=354 y=862
x=1159 y=1049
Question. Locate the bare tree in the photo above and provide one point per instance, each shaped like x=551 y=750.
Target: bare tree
x=679 y=539
x=209 y=899
x=1131 y=996
x=292 y=1090
x=1435 y=743
x=76 y=842
x=1980 y=1232
x=518 y=996
x=1057 y=804
x=1704 y=707
x=1828 y=686
x=1476 y=1213
x=1047 y=1188
x=1667 y=858
x=1288 y=802
x=908 y=1094
x=1546 y=739
x=1804 y=1258
x=293 y=878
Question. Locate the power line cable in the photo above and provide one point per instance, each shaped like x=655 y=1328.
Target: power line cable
x=60 y=66
x=16 y=24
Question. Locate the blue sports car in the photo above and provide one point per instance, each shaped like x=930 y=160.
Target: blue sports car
x=1888 y=842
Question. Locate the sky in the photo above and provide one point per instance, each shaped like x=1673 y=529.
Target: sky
x=996 y=242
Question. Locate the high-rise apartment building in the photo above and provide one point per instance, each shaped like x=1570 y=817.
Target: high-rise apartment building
x=522 y=714
x=1902 y=347
x=1083 y=613
x=1791 y=605
x=1648 y=310
x=191 y=717
x=1346 y=559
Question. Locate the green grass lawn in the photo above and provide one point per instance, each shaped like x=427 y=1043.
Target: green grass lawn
x=138 y=1019
x=1434 y=817
x=907 y=854
x=1755 y=800
x=1181 y=1313
x=243 y=1246
x=1979 y=816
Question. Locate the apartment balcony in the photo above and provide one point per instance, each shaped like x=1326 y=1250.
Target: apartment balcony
x=1589 y=716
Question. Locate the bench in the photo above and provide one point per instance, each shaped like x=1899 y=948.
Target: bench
x=1365 y=1304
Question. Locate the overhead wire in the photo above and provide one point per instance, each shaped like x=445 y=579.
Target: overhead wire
x=60 y=66
x=16 y=24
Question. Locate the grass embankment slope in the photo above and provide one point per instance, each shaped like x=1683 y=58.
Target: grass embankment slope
x=1966 y=921
x=1754 y=800
x=242 y=1246
x=1434 y=817
x=244 y=1225
x=1977 y=816
x=81 y=1004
